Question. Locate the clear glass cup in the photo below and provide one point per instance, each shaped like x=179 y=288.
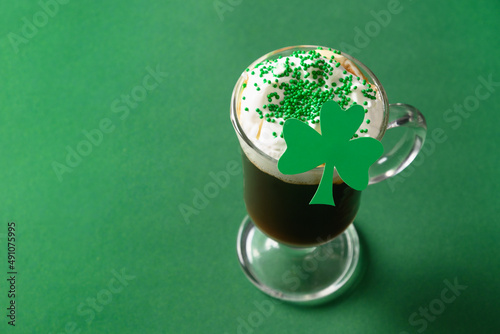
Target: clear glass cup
x=285 y=248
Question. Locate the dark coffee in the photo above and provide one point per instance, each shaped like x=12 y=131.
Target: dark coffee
x=281 y=210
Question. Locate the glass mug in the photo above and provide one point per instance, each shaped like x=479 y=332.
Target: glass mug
x=305 y=253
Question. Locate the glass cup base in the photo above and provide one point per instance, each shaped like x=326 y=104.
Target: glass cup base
x=305 y=275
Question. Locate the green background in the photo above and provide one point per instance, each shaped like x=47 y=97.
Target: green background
x=118 y=209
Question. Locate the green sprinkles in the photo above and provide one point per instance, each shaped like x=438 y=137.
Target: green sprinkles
x=302 y=88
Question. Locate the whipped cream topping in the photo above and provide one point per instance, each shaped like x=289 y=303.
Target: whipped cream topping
x=296 y=86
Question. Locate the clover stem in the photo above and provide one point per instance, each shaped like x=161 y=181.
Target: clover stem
x=324 y=193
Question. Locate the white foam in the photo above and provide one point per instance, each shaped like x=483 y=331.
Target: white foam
x=260 y=132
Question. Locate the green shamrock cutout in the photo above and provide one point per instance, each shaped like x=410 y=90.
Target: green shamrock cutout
x=307 y=149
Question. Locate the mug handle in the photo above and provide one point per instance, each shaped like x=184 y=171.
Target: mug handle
x=397 y=158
